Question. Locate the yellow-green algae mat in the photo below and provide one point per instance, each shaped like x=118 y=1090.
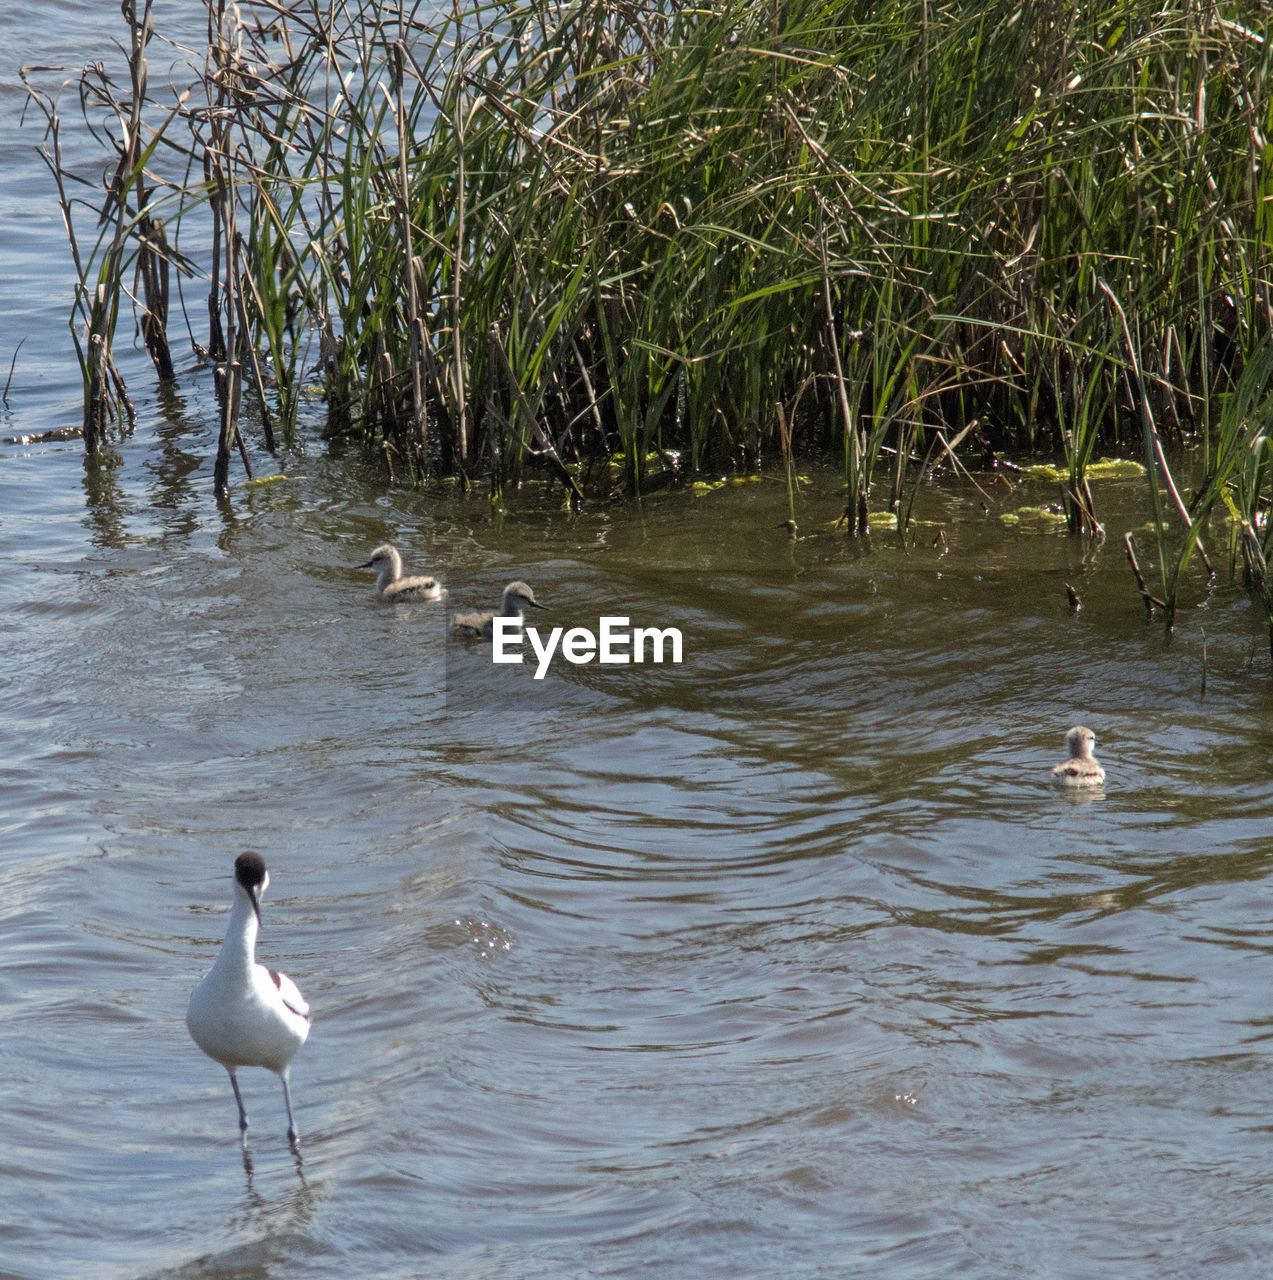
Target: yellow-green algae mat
x=1050 y=517
x=1105 y=469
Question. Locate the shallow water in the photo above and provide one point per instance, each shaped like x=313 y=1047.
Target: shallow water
x=785 y=961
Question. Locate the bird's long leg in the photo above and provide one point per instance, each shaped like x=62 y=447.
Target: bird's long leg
x=238 y=1097
x=287 y=1102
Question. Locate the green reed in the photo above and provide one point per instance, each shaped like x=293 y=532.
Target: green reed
x=523 y=234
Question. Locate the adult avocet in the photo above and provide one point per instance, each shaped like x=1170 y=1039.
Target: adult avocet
x=243 y=1014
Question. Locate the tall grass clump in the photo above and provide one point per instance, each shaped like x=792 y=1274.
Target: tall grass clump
x=536 y=234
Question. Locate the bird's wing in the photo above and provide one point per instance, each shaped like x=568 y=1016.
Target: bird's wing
x=471 y=621
x=415 y=587
x=290 y=993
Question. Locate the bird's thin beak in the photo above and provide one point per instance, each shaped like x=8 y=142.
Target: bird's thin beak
x=368 y=565
x=256 y=906
x=537 y=604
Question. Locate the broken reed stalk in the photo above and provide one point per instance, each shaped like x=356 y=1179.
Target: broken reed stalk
x=152 y=271
x=1151 y=601
x=1257 y=572
x=152 y=247
x=226 y=301
x=247 y=289
x=107 y=392
x=1081 y=498
x=13 y=364
x=416 y=343
x=855 y=507
x=99 y=275
x=784 y=443
x=459 y=411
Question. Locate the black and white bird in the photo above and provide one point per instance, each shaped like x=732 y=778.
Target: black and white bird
x=243 y=1014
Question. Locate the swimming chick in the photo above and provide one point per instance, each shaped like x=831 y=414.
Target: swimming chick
x=390 y=583
x=516 y=599
x=1082 y=768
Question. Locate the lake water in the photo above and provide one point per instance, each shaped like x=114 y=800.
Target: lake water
x=785 y=961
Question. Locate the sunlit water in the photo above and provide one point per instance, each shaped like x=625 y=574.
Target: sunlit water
x=783 y=962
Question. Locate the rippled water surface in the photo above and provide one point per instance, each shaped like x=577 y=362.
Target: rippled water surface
x=784 y=961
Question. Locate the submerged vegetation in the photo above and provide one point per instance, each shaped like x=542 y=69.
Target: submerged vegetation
x=558 y=233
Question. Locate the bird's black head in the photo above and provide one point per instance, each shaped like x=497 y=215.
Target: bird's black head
x=249 y=871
